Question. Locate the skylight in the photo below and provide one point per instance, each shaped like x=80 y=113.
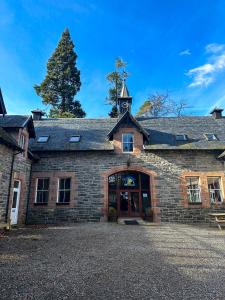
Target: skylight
x=43 y=139
x=211 y=137
x=74 y=138
x=181 y=137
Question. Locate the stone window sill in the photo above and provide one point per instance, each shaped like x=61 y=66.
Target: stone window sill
x=62 y=203
x=40 y=204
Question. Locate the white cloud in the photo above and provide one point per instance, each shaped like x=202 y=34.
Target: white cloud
x=206 y=74
x=214 y=48
x=185 y=52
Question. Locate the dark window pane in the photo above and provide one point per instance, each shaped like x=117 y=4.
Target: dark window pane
x=40 y=184
x=144 y=181
x=45 y=197
x=124 y=202
x=16 y=184
x=46 y=184
x=67 y=183
x=62 y=184
x=14 y=199
x=67 y=196
x=130 y=138
x=42 y=197
x=130 y=147
x=61 y=196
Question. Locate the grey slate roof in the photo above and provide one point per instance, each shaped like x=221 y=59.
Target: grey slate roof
x=8 y=140
x=162 y=132
x=93 y=134
x=17 y=121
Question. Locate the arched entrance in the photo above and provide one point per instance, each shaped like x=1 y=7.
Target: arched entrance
x=129 y=195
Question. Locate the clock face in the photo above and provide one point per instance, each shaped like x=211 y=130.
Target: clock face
x=125 y=105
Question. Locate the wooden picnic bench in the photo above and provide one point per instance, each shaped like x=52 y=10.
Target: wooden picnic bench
x=218 y=218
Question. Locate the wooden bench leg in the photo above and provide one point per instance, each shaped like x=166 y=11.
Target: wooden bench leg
x=219 y=226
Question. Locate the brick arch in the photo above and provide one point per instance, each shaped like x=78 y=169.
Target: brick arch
x=153 y=193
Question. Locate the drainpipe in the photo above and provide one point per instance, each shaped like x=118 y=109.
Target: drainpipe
x=28 y=195
x=10 y=184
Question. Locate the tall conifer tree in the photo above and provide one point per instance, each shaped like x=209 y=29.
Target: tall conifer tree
x=62 y=81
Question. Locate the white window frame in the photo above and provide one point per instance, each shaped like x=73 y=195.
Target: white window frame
x=182 y=139
x=41 y=190
x=214 y=137
x=22 y=141
x=64 y=190
x=213 y=190
x=197 y=190
x=43 y=136
x=15 y=210
x=74 y=136
x=127 y=142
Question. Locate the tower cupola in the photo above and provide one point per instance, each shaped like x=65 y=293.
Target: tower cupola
x=124 y=100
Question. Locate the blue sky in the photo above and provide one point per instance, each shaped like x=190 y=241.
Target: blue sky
x=176 y=46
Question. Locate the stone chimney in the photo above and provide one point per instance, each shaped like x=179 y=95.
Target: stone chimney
x=217 y=113
x=37 y=114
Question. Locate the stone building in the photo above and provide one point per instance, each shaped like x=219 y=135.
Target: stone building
x=166 y=169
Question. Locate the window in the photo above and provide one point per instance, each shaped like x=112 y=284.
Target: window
x=42 y=190
x=64 y=190
x=128 y=142
x=193 y=189
x=211 y=137
x=74 y=139
x=43 y=139
x=214 y=186
x=22 y=141
x=181 y=137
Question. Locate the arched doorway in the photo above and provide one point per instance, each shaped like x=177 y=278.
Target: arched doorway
x=129 y=195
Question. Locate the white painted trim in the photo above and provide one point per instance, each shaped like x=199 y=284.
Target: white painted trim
x=35 y=200
x=59 y=178
x=127 y=143
x=18 y=190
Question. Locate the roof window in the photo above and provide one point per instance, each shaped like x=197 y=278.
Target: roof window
x=74 y=138
x=211 y=137
x=43 y=138
x=181 y=137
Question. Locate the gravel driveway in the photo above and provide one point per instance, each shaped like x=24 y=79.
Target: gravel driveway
x=110 y=261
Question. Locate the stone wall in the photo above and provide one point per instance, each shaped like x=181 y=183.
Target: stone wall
x=6 y=155
x=90 y=199
x=21 y=171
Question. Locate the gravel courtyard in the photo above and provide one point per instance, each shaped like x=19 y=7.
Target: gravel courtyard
x=110 y=261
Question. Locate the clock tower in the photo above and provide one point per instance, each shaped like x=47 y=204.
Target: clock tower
x=124 y=100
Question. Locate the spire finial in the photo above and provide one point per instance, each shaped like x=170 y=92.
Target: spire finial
x=124 y=91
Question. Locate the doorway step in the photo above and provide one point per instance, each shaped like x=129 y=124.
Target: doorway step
x=134 y=221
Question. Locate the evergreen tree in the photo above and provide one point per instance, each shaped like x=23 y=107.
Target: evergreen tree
x=114 y=112
x=62 y=81
x=115 y=79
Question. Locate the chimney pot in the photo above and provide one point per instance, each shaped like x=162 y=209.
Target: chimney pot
x=217 y=113
x=37 y=114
